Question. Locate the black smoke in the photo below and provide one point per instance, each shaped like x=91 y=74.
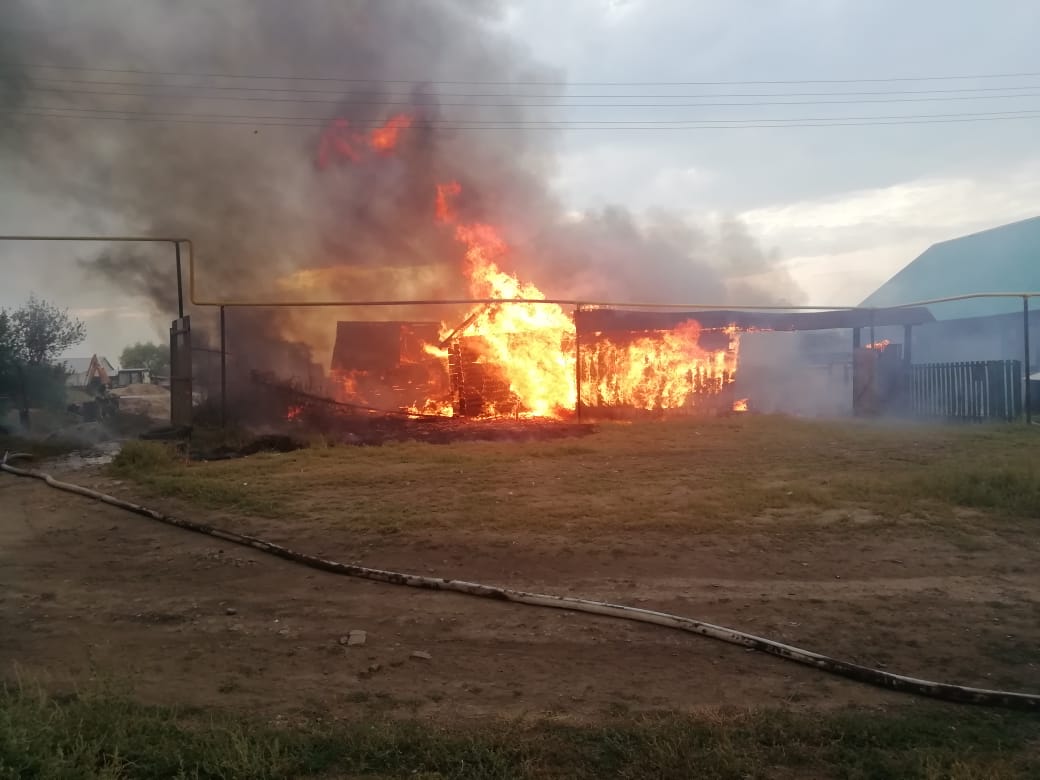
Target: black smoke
x=231 y=162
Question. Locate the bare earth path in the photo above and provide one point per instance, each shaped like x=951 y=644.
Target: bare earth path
x=89 y=591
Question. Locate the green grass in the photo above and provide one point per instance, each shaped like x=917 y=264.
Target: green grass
x=1011 y=488
x=692 y=475
x=103 y=735
x=143 y=457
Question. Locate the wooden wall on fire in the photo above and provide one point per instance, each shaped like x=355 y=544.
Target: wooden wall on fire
x=380 y=345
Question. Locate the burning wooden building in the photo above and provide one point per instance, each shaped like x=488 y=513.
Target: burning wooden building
x=528 y=359
x=385 y=365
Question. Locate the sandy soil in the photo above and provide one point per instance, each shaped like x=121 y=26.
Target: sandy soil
x=90 y=591
x=149 y=400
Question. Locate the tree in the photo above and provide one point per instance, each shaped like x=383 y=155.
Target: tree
x=8 y=367
x=42 y=331
x=154 y=357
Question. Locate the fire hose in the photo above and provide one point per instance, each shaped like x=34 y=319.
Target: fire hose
x=865 y=674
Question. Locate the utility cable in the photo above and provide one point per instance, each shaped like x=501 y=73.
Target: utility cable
x=295 y=77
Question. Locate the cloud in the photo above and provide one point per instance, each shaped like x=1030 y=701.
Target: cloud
x=848 y=245
x=848 y=206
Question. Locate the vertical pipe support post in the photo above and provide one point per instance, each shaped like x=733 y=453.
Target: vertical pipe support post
x=223 y=369
x=180 y=283
x=1026 y=395
x=577 y=361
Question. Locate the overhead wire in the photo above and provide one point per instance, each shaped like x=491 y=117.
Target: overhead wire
x=546 y=126
x=363 y=122
x=380 y=121
x=515 y=82
x=308 y=91
x=74 y=88
x=418 y=100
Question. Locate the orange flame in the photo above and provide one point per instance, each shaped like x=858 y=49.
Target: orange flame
x=526 y=351
x=444 y=207
x=341 y=143
x=740 y=405
x=293 y=413
x=432 y=408
x=879 y=345
x=533 y=344
x=384 y=139
x=659 y=370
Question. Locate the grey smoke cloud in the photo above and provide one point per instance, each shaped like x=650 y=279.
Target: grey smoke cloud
x=263 y=213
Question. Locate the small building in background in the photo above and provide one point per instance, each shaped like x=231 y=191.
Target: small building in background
x=971 y=361
x=132 y=376
x=1004 y=259
x=81 y=372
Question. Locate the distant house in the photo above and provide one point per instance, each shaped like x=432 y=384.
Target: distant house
x=999 y=260
x=133 y=376
x=82 y=371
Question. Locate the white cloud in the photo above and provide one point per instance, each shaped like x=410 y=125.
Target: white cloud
x=617 y=10
x=841 y=248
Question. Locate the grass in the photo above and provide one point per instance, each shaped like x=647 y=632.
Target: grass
x=158 y=467
x=689 y=474
x=106 y=735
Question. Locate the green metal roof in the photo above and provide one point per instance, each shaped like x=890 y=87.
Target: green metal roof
x=1004 y=259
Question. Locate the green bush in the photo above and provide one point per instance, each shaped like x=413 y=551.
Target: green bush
x=142 y=456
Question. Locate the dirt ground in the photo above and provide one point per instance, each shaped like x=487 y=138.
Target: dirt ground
x=88 y=591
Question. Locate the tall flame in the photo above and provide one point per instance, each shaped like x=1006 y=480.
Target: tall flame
x=532 y=344
x=526 y=351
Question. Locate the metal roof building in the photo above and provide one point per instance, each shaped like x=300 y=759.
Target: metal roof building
x=1003 y=259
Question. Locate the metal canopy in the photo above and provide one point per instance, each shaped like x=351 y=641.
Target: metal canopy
x=603 y=320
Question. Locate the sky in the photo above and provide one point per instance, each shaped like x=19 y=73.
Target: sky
x=846 y=207
x=843 y=207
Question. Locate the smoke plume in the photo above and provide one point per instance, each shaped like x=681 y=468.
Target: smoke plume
x=236 y=164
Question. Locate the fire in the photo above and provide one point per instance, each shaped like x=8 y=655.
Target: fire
x=879 y=345
x=293 y=413
x=384 y=139
x=342 y=143
x=348 y=385
x=522 y=358
x=532 y=344
x=443 y=206
x=432 y=408
x=740 y=405
x=657 y=370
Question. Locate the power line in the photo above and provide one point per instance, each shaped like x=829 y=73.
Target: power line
x=434 y=104
x=306 y=91
x=640 y=127
x=341 y=79
x=366 y=122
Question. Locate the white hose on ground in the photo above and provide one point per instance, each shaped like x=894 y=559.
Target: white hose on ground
x=895 y=682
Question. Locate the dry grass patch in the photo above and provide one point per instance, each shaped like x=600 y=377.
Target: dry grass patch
x=696 y=475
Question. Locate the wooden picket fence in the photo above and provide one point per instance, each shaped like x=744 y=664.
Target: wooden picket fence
x=983 y=390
